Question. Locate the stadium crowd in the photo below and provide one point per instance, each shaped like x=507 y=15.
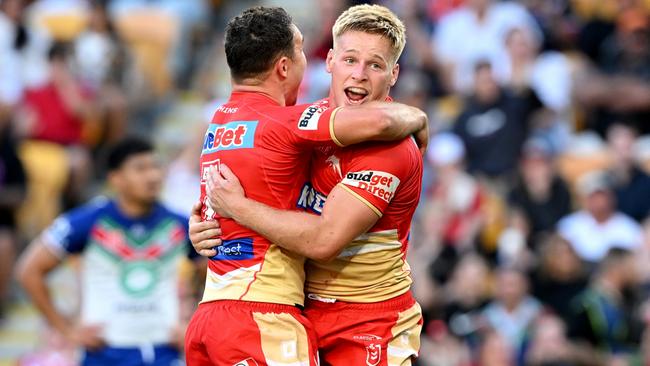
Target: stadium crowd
x=531 y=242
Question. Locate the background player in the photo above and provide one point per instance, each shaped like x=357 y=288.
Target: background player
x=130 y=247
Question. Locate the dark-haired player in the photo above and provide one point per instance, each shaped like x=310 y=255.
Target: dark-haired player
x=250 y=313
x=130 y=247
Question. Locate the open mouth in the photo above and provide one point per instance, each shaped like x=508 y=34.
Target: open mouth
x=355 y=95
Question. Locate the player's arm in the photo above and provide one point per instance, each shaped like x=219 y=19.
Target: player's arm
x=344 y=217
x=66 y=235
x=31 y=272
x=379 y=121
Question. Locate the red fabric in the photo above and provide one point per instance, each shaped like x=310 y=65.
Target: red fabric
x=55 y=122
x=351 y=333
x=270 y=156
x=224 y=333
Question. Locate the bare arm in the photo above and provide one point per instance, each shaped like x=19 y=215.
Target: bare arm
x=344 y=217
x=31 y=273
x=380 y=121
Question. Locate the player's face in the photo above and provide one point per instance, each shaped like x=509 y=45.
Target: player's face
x=296 y=69
x=361 y=67
x=140 y=178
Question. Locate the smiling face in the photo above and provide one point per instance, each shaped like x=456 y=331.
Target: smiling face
x=363 y=68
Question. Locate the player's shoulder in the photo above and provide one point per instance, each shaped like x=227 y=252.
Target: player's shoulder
x=304 y=116
x=90 y=210
x=171 y=214
x=400 y=149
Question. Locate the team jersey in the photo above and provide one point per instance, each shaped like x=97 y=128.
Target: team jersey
x=387 y=178
x=268 y=147
x=129 y=282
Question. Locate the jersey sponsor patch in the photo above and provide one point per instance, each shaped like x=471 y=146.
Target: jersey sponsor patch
x=310 y=199
x=234 y=250
x=380 y=184
x=205 y=169
x=229 y=136
x=309 y=118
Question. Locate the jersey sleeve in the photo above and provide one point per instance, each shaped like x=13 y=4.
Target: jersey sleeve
x=373 y=172
x=68 y=233
x=313 y=124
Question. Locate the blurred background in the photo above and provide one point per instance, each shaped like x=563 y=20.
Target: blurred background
x=531 y=244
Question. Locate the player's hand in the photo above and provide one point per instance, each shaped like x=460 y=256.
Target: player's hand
x=204 y=235
x=86 y=336
x=223 y=190
x=422 y=139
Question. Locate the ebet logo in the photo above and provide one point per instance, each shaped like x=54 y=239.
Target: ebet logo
x=229 y=136
x=380 y=184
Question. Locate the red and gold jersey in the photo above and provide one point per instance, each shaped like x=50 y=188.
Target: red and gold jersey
x=268 y=147
x=388 y=178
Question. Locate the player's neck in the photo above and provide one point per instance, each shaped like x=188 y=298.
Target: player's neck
x=269 y=89
x=133 y=209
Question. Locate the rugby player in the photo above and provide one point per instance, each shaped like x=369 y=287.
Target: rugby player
x=130 y=248
x=358 y=284
x=250 y=309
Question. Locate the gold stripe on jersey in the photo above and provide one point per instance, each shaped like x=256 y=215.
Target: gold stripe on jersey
x=370 y=269
x=284 y=340
x=365 y=201
x=405 y=342
x=278 y=279
x=332 y=134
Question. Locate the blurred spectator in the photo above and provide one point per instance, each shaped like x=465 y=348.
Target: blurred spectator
x=598 y=227
x=452 y=210
x=493 y=125
x=601 y=320
x=465 y=297
x=56 y=113
x=539 y=195
x=623 y=90
x=631 y=184
x=495 y=350
x=474 y=32
x=559 y=277
x=131 y=248
x=12 y=193
x=98 y=61
x=549 y=345
x=513 y=310
x=23 y=49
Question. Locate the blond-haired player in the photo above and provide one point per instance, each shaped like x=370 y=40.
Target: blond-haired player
x=358 y=282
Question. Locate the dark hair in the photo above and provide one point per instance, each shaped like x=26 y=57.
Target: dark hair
x=58 y=51
x=255 y=39
x=126 y=148
x=615 y=257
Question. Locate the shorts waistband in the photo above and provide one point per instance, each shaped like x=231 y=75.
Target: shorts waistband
x=254 y=306
x=400 y=302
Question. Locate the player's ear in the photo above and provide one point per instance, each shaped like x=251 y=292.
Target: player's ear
x=394 y=74
x=329 y=60
x=114 y=179
x=282 y=67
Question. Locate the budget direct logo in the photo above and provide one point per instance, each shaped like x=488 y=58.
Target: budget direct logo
x=234 y=250
x=229 y=136
x=381 y=184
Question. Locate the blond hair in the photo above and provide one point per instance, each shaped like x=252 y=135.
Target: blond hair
x=373 y=19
